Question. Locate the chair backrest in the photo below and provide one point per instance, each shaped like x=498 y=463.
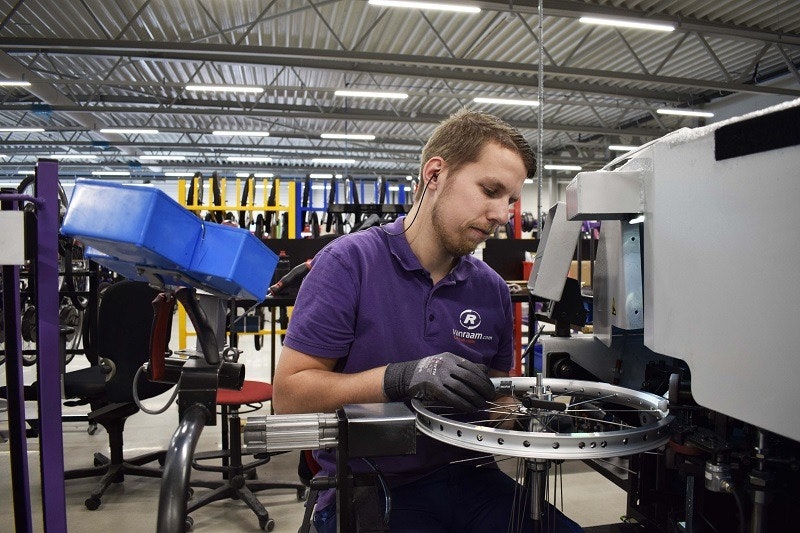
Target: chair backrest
x=125 y=320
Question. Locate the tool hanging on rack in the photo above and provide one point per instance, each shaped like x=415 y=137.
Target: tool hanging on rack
x=197 y=183
x=216 y=215
x=248 y=193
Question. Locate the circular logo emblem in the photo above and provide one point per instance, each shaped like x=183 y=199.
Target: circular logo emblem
x=469 y=319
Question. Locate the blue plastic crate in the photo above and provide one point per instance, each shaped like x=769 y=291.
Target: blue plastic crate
x=132 y=223
x=232 y=260
x=136 y=272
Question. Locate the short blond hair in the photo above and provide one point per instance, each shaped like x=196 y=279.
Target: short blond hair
x=459 y=139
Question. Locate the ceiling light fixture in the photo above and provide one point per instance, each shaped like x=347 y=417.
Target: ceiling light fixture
x=162 y=157
x=21 y=130
x=333 y=161
x=622 y=23
x=348 y=136
x=110 y=173
x=178 y=174
x=13 y=83
x=440 y=6
x=621 y=147
x=225 y=88
x=372 y=94
x=563 y=167
x=504 y=101
x=248 y=159
x=683 y=112
x=132 y=131
x=250 y=133
x=70 y=156
x=255 y=174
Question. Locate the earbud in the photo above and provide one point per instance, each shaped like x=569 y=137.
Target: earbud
x=435 y=176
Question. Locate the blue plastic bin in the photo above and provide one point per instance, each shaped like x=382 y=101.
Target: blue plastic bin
x=233 y=261
x=132 y=223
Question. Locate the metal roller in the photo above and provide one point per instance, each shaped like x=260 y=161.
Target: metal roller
x=278 y=433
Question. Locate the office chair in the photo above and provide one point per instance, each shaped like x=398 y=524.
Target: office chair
x=124 y=322
x=236 y=480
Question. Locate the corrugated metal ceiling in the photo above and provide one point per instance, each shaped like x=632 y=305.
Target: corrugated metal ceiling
x=95 y=63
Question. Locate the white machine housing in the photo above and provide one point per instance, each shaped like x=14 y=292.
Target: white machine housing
x=720 y=266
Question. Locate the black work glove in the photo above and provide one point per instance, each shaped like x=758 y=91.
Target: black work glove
x=444 y=377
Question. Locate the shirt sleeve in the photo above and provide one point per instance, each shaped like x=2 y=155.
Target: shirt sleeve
x=323 y=318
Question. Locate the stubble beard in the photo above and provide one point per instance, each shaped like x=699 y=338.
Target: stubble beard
x=454 y=242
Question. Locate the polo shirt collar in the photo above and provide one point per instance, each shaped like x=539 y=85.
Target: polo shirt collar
x=401 y=250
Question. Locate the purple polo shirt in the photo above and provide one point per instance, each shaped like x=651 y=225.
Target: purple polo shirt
x=368 y=302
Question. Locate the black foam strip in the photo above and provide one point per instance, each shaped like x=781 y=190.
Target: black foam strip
x=758 y=134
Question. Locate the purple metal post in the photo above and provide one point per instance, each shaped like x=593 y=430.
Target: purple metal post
x=18 y=446
x=51 y=442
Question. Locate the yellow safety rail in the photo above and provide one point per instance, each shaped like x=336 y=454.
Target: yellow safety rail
x=252 y=205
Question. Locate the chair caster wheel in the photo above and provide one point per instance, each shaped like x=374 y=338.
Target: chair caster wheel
x=267 y=525
x=188 y=523
x=302 y=494
x=92 y=503
x=92 y=429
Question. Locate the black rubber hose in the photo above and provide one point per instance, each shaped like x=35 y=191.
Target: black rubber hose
x=177 y=470
x=202 y=326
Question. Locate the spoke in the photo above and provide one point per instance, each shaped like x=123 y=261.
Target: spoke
x=590 y=400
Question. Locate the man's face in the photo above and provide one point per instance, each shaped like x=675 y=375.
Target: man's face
x=475 y=199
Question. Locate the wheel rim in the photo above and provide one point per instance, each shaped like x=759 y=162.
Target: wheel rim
x=631 y=422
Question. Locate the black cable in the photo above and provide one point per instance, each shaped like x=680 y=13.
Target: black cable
x=415 y=214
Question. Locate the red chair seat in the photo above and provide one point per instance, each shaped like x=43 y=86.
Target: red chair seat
x=252 y=392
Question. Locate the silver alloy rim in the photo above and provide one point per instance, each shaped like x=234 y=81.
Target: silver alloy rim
x=614 y=440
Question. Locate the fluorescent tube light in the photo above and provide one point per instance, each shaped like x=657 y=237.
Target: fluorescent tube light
x=527 y=181
x=348 y=136
x=426 y=5
x=621 y=147
x=225 y=88
x=320 y=187
x=562 y=167
x=636 y=220
x=70 y=156
x=12 y=83
x=683 y=112
x=372 y=94
x=133 y=131
x=26 y=172
x=504 y=101
x=255 y=174
x=21 y=130
x=333 y=161
x=162 y=157
x=110 y=173
x=248 y=159
x=620 y=23
x=176 y=174
x=250 y=133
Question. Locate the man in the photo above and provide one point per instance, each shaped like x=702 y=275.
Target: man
x=383 y=316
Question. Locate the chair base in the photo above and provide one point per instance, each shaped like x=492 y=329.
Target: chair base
x=238 y=488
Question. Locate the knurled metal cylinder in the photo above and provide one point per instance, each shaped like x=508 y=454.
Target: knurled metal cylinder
x=281 y=433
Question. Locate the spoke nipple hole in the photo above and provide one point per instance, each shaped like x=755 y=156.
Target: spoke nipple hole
x=479 y=437
x=458 y=432
x=500 y=441
x=592 y=445
x=441 y=427
x=581 y=445
x=555 y=445
x=644 y=437
x=603 y=444
x=625 y=440
x=526 y=443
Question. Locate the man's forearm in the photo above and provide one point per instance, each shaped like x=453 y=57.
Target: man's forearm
x=323 y=391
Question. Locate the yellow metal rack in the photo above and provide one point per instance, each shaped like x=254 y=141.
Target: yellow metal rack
x=252 y=204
